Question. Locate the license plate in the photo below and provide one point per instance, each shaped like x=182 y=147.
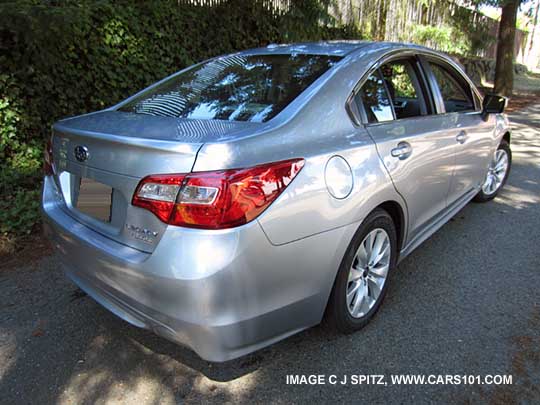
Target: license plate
x=95 y=199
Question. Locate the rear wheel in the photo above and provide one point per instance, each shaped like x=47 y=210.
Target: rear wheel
x=363 y=276
x=498 y=171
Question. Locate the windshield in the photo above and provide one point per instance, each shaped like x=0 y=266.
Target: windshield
x=235 y=88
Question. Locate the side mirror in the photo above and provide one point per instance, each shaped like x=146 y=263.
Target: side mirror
x=493 y=104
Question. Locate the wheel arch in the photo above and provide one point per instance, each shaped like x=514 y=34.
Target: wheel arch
x=397 y=213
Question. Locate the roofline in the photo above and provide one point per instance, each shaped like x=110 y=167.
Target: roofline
x=340 y=48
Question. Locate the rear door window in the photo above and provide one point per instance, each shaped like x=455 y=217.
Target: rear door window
x=404 y=89
x=374 y=99
x=235 y=88
x=394 y=91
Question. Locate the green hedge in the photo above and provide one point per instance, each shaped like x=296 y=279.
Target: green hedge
x=62 y=58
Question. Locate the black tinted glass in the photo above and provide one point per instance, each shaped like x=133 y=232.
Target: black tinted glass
x=456 y=96
x=235 y=88
x=375 y=99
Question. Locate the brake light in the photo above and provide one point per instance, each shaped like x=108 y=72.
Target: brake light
x=48 y=164
x=158 y=194
x=215 y=200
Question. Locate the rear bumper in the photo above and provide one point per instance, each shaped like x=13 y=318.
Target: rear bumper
x=222 y=293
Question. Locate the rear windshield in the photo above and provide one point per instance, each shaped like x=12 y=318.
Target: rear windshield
x=235 y=88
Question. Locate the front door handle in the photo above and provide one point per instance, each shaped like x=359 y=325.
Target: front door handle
x=402 y=151
x=461 y=137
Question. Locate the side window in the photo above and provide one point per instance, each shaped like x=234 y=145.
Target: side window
x=456 y=96
x=375 y=100
x=404 y=89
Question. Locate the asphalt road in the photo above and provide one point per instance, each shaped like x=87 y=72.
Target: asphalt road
x=467 y=302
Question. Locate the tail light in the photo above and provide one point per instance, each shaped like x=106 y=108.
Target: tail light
x=215 y=200
x=48 y=165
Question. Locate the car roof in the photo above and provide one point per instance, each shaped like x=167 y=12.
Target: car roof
x=337 y=48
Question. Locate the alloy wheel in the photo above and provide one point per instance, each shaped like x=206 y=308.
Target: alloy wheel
x=496 y=172
x=368 y=272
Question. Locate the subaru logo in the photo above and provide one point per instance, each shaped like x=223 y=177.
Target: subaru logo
x=81 y=153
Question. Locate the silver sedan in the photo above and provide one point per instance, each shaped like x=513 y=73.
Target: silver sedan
x=243 y=199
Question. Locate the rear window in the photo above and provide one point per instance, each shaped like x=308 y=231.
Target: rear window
x=235 y=88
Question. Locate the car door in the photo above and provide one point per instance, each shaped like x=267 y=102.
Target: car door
x=460 y=112
x=415 y=148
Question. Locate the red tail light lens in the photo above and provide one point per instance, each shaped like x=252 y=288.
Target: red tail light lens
x=158 y=194
x=216 y=200
x=48 y=165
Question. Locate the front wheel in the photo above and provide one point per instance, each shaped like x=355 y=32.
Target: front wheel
x=498 y=171
x=362 y=279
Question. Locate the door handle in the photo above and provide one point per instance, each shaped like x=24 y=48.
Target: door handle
x=461 y=137
x=402 y=151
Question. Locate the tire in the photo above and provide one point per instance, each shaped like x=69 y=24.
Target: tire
x=484 y=194
x=339 y=312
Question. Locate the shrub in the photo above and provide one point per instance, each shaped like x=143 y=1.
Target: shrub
x=444 y=38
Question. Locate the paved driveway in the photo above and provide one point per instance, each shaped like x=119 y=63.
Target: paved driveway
x=466 y=302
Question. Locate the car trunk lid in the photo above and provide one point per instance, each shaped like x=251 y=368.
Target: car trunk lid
x=100 y=158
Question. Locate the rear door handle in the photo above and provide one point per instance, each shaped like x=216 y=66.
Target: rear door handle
x=402 y=151
x=461 y=137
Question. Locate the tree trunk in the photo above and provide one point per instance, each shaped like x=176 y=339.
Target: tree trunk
x=504 y=68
